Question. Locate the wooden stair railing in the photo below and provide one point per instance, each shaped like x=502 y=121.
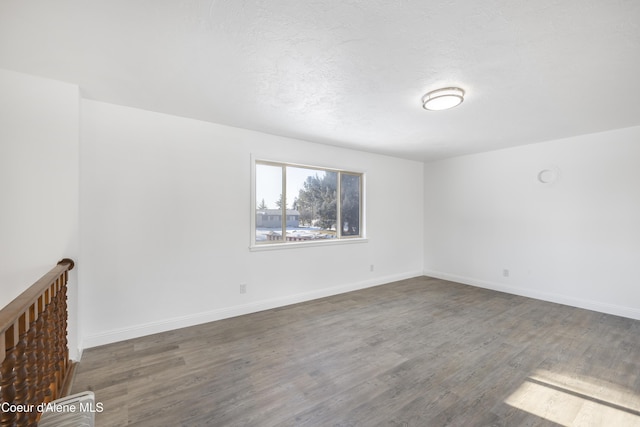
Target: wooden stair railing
x=35 y=365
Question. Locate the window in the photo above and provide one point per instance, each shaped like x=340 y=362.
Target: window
x=296 y=203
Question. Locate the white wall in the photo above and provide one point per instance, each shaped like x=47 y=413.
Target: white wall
x=576 y=241
x=39 y=137
x=165 y=224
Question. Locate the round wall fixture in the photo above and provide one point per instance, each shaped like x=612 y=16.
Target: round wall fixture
x=548 y=176
x=443 y=99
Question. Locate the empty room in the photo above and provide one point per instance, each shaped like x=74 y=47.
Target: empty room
x=320 y=213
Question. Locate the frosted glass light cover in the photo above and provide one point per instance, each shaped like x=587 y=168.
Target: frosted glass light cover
x=443 y=99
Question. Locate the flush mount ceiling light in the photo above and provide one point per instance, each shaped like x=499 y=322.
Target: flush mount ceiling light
x=443 y=99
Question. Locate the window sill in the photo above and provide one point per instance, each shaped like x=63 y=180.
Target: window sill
x=296 y=245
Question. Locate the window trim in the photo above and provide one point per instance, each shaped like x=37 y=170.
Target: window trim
x=284 y=244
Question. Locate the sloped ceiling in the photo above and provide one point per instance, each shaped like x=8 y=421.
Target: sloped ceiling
x=347 y=72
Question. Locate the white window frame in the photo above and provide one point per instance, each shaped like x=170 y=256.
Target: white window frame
x=284 y=244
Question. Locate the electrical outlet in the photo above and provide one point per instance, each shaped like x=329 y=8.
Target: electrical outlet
x=371 y=267
x=505 y=272
x=243 y=288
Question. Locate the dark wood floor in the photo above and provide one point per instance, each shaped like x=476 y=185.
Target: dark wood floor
x=419 y=352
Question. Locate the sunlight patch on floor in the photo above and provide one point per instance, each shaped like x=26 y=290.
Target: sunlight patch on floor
x=571 y=401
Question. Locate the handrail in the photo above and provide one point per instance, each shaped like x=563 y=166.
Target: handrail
x=35 y=366
x=12 y=311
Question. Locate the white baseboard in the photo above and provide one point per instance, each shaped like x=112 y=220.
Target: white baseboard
x=227 y=312
x=630 y=312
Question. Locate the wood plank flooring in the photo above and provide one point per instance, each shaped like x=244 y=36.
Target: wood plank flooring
x=418 y=352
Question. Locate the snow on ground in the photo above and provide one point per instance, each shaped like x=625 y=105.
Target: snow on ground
x=303 y=233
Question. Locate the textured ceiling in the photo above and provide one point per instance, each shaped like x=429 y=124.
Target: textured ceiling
x=347 y=72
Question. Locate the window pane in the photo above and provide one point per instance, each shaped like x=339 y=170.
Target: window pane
x=298 y=203
x=312 y=196
x=268 y=203
x=350 y=204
